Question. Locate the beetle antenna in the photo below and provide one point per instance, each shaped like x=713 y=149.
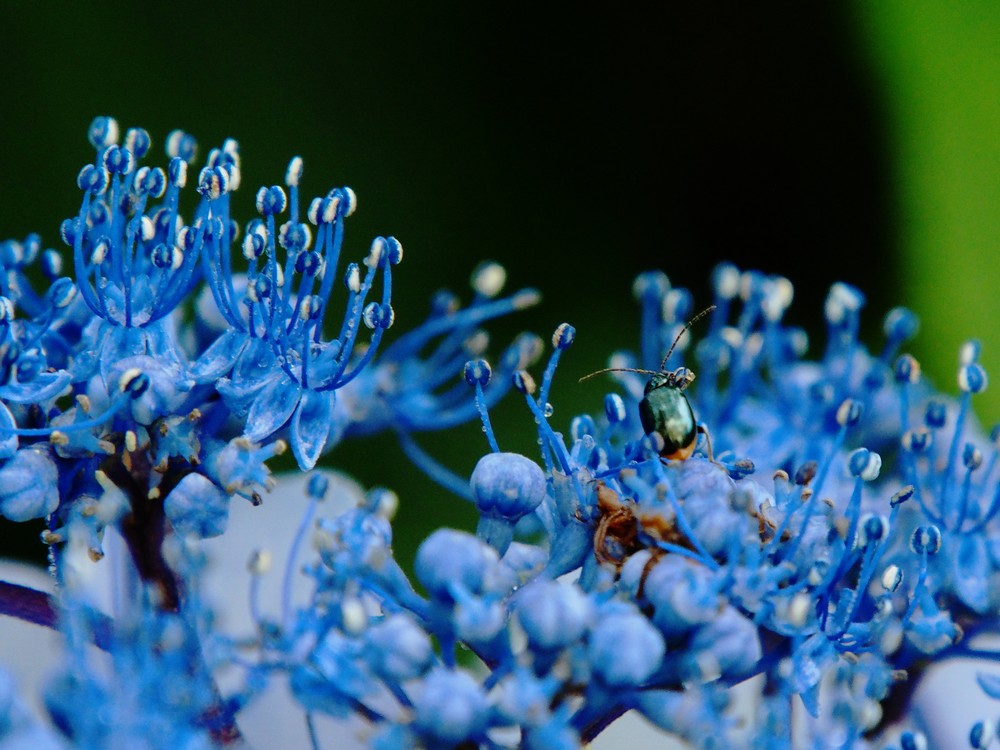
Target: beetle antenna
x=616 y=369
x=690 y=323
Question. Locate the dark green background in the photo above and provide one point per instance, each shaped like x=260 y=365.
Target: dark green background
x=576 y=145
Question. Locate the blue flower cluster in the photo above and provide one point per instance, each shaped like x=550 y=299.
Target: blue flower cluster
x=781 y=582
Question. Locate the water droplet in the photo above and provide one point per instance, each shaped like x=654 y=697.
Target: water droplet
x=548 y=411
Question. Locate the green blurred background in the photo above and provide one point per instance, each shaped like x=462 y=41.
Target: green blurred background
x=576 y=144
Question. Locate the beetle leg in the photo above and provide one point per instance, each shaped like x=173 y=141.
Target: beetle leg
x=708 y=440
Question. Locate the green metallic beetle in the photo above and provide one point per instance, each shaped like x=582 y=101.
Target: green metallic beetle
x=664 y=410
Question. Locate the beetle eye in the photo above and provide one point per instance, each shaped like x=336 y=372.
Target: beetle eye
x=682 y=377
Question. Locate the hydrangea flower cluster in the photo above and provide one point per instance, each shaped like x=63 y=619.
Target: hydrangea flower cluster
x=781 y=582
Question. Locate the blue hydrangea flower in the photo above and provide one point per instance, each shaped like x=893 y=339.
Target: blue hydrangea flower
x=825 y=530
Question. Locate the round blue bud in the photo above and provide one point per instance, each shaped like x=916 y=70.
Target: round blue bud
x=478 y=371
x=552 y=615
x=614 y=408
x=28 y=485
x=972 y=378
x=398 y=648
x=452 y=708
x=563 y=336
x=449 y=558
x=197 y=507
x=625 y=649
x=507 y=485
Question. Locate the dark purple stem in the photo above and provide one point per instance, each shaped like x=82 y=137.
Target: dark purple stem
x=37 y=607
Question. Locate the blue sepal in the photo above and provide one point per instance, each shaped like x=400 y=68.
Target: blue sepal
x=219 y=358
x=8 y=442
x=309 y=427
x=972 y=572
x=28 y=486
x=197 y=507
x=272 y=408
x=41 y=388
x=990 y=684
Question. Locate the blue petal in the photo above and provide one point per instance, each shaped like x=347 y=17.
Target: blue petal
x=272 y=408
x=310 y=425
x=971 y=572
x=43 y=387
x=28 y=486
x=197 y=507
x=990 y=683
x=8 y=442
x=254 y=364
x=219 y=358
x=119 y=343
